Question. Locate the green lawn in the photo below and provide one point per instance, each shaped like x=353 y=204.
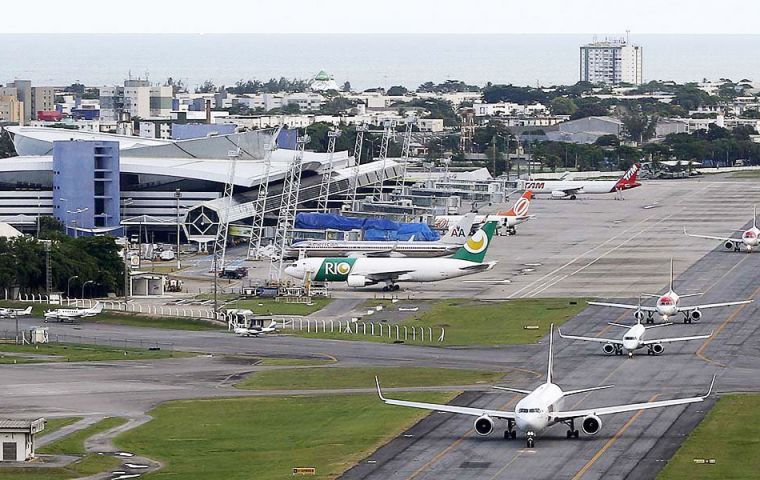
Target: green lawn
x=364 y=377
x=293 y=362
x=264 y=438
x=80 y=353
x=729 y=434
x=473 y=322
x=745 y=174
x=54 y=424
x=268 y=306
x=73 y=444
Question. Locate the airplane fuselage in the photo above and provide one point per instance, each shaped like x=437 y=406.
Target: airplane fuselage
x=329 y=248
x=553 y=187
x=533 y=413
x=667 y=305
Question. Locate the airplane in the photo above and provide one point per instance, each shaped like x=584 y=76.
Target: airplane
x=572 y=188
x=668 y=305
x=750 y=238
x=15 y=312
x=256 y=331
x=633 y=339
x=542 y=408
x=508 y=219
x=447 y=245
x=364 y=271
x=64 y=314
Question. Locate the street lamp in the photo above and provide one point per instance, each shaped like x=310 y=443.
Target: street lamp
x=76 y=212
x=68 y=285
x=85 y=284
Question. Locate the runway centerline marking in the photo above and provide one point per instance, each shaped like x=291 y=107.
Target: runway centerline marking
x=611 y=441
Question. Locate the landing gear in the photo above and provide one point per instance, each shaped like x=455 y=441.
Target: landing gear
x=392 y=287
x=572 y=197
x=618 y=349
x=531 y=440
x=630 y=354
x=510 y=432
x=650 y=318
x=572 y=432
x=511 y=231
x=686 y=318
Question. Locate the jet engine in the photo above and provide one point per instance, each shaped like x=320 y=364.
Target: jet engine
x=695 y=315
x=638 y=315
x=657 y=348
x=608 y=348
x=729 y=245
x=358 y=281
x=558 y=194
x=484 y=425
x=591 y=425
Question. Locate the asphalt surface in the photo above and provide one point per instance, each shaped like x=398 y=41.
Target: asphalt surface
x=591 y=247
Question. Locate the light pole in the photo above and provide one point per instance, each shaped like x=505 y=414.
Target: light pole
x=84 y=285
x=76 y=212
x=68 y=285
x=66 y=217
x=178 y=195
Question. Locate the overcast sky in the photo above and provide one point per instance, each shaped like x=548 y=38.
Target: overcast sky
x=382 y=16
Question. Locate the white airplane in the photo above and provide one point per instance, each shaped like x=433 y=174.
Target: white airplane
x=633 y=339
x=542 y=408
x=15 y=312
x=70 y=314
x=509 y=219
x=447 y=245
x=668 y=305
x=256 y=331
x=750 y=238
x=363 y=271
x=571 y=188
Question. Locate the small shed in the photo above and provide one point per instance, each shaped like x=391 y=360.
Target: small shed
x=17 y=439
x=146 y=284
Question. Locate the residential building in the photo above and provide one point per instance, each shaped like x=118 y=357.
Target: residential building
x=43 y=100
x=24 y=95
x=11 y=110
x=611 y=62
x=136 y=97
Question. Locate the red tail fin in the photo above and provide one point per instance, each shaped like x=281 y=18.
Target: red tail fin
x=520 y=207
x=628 y=180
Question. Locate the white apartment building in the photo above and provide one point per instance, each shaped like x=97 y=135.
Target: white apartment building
x=507 y=109
x=611 y=62
x=136 y=97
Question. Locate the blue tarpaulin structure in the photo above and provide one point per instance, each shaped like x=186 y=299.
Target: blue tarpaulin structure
x=373 y=228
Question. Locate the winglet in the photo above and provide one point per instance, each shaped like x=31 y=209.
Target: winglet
x=379 y=392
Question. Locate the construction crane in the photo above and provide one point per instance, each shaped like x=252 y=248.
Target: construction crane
x=220 y=243
x=387 y=132
x=257 y=223
x=324 y=187
x=287 y=214
x=360 y=129
x=401 y=179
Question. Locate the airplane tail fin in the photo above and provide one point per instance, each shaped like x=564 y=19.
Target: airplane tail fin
x=520 y=208
x=551 y=355
x=754 y=216
x=97 y=308
x=628 y=180
x=457 y=233
x=28 y=311
x=475 y=248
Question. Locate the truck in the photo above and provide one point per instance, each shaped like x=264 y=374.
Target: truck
x=233 y=272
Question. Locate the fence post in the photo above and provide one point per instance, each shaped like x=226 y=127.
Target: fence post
x=422 y=334
x=406 y=333
x=332 y=326
x=324 y=326
x=364 y=329
x=414 y=334
x=430 y=334
x=440 y=339
x=397 y=332
x=372 y=329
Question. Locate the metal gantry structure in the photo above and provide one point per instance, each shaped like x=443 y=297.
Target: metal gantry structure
x=257 y=223
x=324 y=187
x=387 y=133
x=405 y=147
x=287 y=213
x=220 y=243
x=360 y=129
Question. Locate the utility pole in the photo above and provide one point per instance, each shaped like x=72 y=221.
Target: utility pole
x=178 y=195
x=216 y=284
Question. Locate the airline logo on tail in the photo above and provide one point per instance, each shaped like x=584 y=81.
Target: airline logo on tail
x=521 y=207
x=477 y=243
x=629 y=179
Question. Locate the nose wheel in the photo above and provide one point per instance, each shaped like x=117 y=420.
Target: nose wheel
x=531 y=440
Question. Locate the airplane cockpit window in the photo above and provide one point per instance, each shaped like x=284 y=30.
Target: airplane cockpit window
x=629 y=338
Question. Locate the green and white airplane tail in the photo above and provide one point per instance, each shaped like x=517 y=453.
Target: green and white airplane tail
x=475 y=248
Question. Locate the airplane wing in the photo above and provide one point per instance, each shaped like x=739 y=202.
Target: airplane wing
x=390 y=275
x=436 y=407
x=571 y=191
x=383 y=253
x=677 y=339
x=591 y=339
x=710 y=237
x=624 y=305
x=712 y=305
x=631 y=407
x=479 y=267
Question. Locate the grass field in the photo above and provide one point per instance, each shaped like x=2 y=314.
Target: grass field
x=746 y=174
x=472 y=322
x=294 y=362
x=729 y=434
x=364 y=377
x=268 y=306
x=264 y=438
x=79 y=353
x=54 y=424
x=73 y=444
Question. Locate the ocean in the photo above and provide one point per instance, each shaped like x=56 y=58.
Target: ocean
x=366 y=61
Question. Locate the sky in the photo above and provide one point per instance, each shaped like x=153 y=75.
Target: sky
x=384 y=16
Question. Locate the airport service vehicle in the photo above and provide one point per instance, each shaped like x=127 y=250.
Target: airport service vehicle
x=542 y=408
x=364 y=271
x=233 y=273
x=448 y=245
x=71 y=314
x=15 y=312
x=572 y=188
x=633 y=339
x=256 y=330
x=668 y=305
x=514 y=216
x=750 y=238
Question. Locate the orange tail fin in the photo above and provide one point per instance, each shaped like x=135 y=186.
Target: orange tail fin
x=520 y=207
